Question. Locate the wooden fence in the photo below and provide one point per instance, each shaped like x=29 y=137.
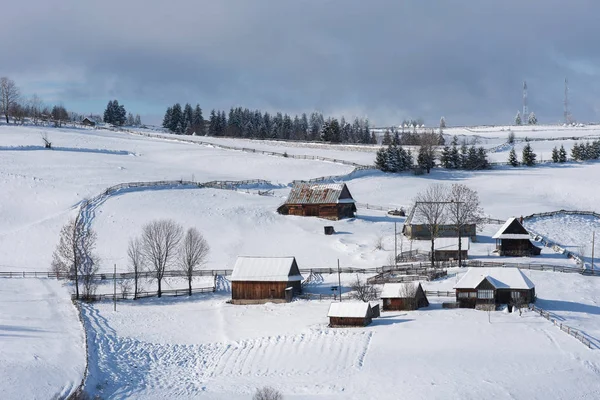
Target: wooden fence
x=567 y=329
x=534 y=267
x=440 y=293
x=146 y=294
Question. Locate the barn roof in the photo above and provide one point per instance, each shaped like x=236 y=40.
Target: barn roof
x=397 y=290
x=451 y=244
x=349 y=310
x=309 y=193
x=512 y=229
x=266 y=269
x=500 y=278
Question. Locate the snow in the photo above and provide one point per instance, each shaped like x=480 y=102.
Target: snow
x=347 y=309
x=201 y=346
x=450 y=244
x=394 y=290
x=265 y=269
x=501 y=235
x=42 y=346
x=501 y=278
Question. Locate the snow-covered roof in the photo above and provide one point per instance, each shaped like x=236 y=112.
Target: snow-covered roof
x=309 y=193
x=266 y=269
x=397 y=290
x=500 y=278
x=512 y=229
x=451 y=244
x=349 y=310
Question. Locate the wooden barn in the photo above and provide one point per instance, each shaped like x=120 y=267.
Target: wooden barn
x=483 y=286
x=403 y=296
x=88 y=122
x=446 y=249
x=512 y=239
x=331 y=201
x=265 y=279
x=343 y=314
x=415 y=227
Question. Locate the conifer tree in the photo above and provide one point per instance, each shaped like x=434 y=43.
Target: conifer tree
x=562 y=154
x=518 y=120
x=555 y=155
x=528 y=155
x=381 y=159
x=445 y=158
x=167 y=119
x=532 y=120
x=387 y=138
x=512 y=158
x=176 y=118
x=576 y=152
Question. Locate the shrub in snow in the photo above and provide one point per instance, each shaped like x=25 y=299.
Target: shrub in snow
x=267 y=393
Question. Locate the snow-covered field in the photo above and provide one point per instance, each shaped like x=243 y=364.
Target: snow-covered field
x=202 y=346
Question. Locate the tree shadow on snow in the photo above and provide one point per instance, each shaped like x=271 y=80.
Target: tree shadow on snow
x=68 y=149
x=388 y=320
x=569 y=306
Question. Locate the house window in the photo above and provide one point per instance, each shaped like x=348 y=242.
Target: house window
x=463 y=294
x=515 y=295
x=473 y=295
x=485 y=294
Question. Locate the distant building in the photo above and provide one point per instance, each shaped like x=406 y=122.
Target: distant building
x=331 y=201
x=257 y=280
x=343 y=314
x=88 y=122
x=403 y=296
x=415 y=227
x=512 y=239
x=447 y=248
x=492 y=286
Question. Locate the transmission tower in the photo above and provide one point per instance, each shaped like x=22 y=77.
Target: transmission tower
x=567 y=113
x=525 y=107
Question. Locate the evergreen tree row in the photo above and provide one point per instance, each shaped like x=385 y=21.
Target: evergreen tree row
x=528 y=157
x=559 y=155
x=587 y=151
x=186 y=121
x=115 y=114
x=240 y=122
x=393 y=159
x=469 y=158
x=407 y=137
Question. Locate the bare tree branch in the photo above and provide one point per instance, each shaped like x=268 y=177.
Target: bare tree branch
x=364 y=291
x=194 y=252
x=9 y=95
x=430 y=208
x=136 y=263
x=466 y=210
x=267 y=393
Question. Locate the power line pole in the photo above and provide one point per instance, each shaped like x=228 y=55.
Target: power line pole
x=395 y=244
x=339 y=280
x=567 y=113
x=593 y=243
x=115 y=288
x=525 y=106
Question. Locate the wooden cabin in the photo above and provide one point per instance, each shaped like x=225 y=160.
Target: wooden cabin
x=512 y=239
x=88 y=122
x=345 y=314
x=493 y=286
x=256 y=280
x=415 y=227
x=330 y=201
x=446 y=249
x=403 y=296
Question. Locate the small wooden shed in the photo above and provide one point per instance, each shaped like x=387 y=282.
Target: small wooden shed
x=512 y=239
x=256 y=280
x=415 y=227
x=345 y=314
x=403 y=296
x=447 y=248
x=331 y=201
x=88 y=122
x=483 y=286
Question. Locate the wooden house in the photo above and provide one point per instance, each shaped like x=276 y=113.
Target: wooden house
x=512 y=239
x=403 y=296
x=331 y=201
x=88 y=122
x=446 y=249
x=415 y=227
x=343 y=314
x=257 y=280
x=493 y=286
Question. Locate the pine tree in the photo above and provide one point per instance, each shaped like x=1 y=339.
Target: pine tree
x=212 y=123
x=518 y=120
x=532 y=120
x=472 y=159
x=387 y=138
x=138 y=120
x=187 y=119
x=425 y=160
x=381 y=159
x=512 y=158
x=576 y=152
x=442 y=123
x=528 y=155
x=108 y=113
x=463 y=157
x=176 y=119
x=555 y=155
x=482 y=160
x=445 y=158
x=167 y=119
x=373 y=138
x=198 y=121
x=562 y=154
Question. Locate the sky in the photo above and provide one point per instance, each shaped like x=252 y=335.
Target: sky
x=381 y=60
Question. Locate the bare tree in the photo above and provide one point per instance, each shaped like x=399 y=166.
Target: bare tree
x=408 y=291
x=160 y=241
x=194 y=252
x=464 y=210
x=35 y=106
x=430 y=208
x=136 y=263
x=364 y=291
x=267 y=393
x=9 y=95
x=125 y=287
x=47 y=142
x=378 y=244
x=74 y=255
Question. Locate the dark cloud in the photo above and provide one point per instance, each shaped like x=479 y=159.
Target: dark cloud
x=386 y=60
